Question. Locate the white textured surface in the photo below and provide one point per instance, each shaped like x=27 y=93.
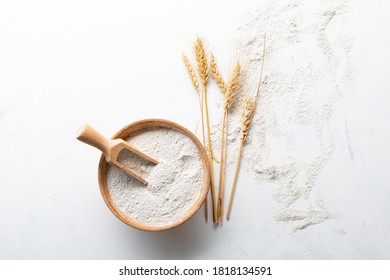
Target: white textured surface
x=65 y=63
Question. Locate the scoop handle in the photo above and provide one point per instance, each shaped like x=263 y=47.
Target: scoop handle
x=91 y=136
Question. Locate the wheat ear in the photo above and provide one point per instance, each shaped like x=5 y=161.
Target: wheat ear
x=217 y=75
x=191 y=73
x=195 y=84
x=248 y=109
x=231 y=91
x=201 y=60
x=247 y=112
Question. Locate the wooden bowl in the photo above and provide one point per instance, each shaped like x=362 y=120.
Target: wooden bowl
x=137 y=127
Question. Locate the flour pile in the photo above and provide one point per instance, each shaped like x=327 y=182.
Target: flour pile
x=307 y=66
x=173 y=185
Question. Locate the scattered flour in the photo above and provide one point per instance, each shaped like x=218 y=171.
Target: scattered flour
x=304 y=217
x=173 y=185
x=307 y=65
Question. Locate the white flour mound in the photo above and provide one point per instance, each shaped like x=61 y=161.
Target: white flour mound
x=307 y=65
x=173 y=184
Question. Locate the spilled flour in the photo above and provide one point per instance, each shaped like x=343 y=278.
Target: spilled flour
x=173 y=185
x=307 y=66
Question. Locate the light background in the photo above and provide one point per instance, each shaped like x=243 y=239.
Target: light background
x=110 y=63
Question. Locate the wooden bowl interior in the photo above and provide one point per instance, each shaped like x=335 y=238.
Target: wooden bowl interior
x=138 y=127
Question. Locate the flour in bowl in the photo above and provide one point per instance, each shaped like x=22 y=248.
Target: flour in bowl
x=173 y=185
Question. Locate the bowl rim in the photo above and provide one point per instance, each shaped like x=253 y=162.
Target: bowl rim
x=138 y=126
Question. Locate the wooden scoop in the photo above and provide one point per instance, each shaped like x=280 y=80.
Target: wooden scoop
x=111 y=148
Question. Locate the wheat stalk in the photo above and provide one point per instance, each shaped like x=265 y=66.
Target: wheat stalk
x=222 y=86
x=230 y=92
x=201 y=60
x=195 y=84
x=222 y=167
x=248 y=109
x=247 y=112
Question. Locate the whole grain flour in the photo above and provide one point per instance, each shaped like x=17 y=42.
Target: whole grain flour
x=173 y=184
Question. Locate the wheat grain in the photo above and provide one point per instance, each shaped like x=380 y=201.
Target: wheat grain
x=191 y=73
x=217 y=75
